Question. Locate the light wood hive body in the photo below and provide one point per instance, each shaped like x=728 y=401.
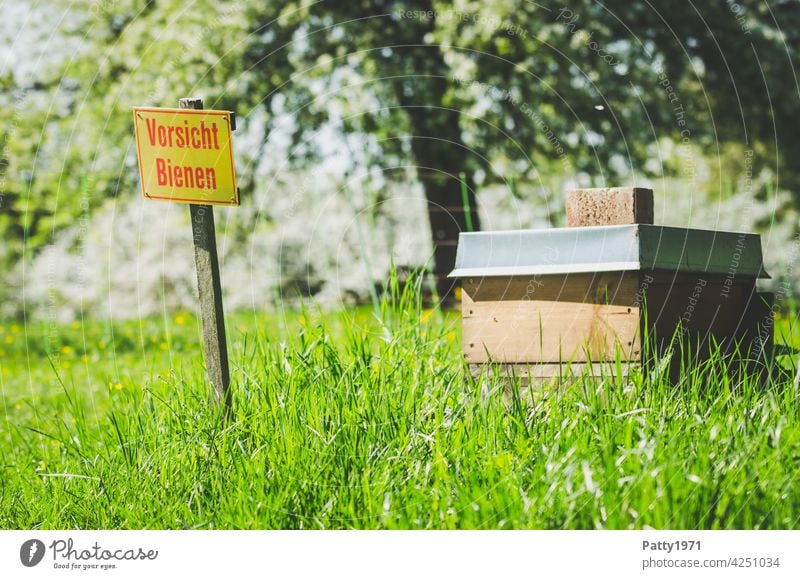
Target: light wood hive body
x=559 y=324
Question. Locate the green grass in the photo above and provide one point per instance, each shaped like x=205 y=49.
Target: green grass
x=353 y=420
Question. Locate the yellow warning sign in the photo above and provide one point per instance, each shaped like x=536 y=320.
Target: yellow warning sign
x=186 y=155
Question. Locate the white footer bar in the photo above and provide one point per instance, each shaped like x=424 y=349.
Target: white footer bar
x=406 y=554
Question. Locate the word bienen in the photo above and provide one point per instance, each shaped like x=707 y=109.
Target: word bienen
x=185 y=176
x=185 y=137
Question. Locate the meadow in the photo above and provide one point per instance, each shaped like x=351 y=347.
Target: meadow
x=365 y=418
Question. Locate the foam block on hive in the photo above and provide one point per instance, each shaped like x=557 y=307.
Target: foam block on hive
x=609 y=206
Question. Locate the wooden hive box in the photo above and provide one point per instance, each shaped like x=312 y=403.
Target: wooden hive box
x=542 y=304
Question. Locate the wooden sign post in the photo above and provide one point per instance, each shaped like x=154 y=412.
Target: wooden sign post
x=187 y=156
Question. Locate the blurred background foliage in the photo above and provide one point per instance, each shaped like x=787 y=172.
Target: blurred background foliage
x=388 y=125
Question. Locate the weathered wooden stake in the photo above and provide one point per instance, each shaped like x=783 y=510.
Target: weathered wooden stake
x=210 y=290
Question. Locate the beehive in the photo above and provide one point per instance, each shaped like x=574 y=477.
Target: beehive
x=541 y=304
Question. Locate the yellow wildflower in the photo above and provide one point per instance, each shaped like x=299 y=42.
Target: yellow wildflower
x=503 y=460
x=66 y=350
x=180 y=319
x=9 y=339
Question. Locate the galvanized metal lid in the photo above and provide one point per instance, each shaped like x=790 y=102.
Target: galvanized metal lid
x=608 y=248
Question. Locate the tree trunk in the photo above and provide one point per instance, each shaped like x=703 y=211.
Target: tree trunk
x=448 y=216
x=441 y=157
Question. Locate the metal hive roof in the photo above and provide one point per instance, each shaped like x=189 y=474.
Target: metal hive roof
x=608 y=248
